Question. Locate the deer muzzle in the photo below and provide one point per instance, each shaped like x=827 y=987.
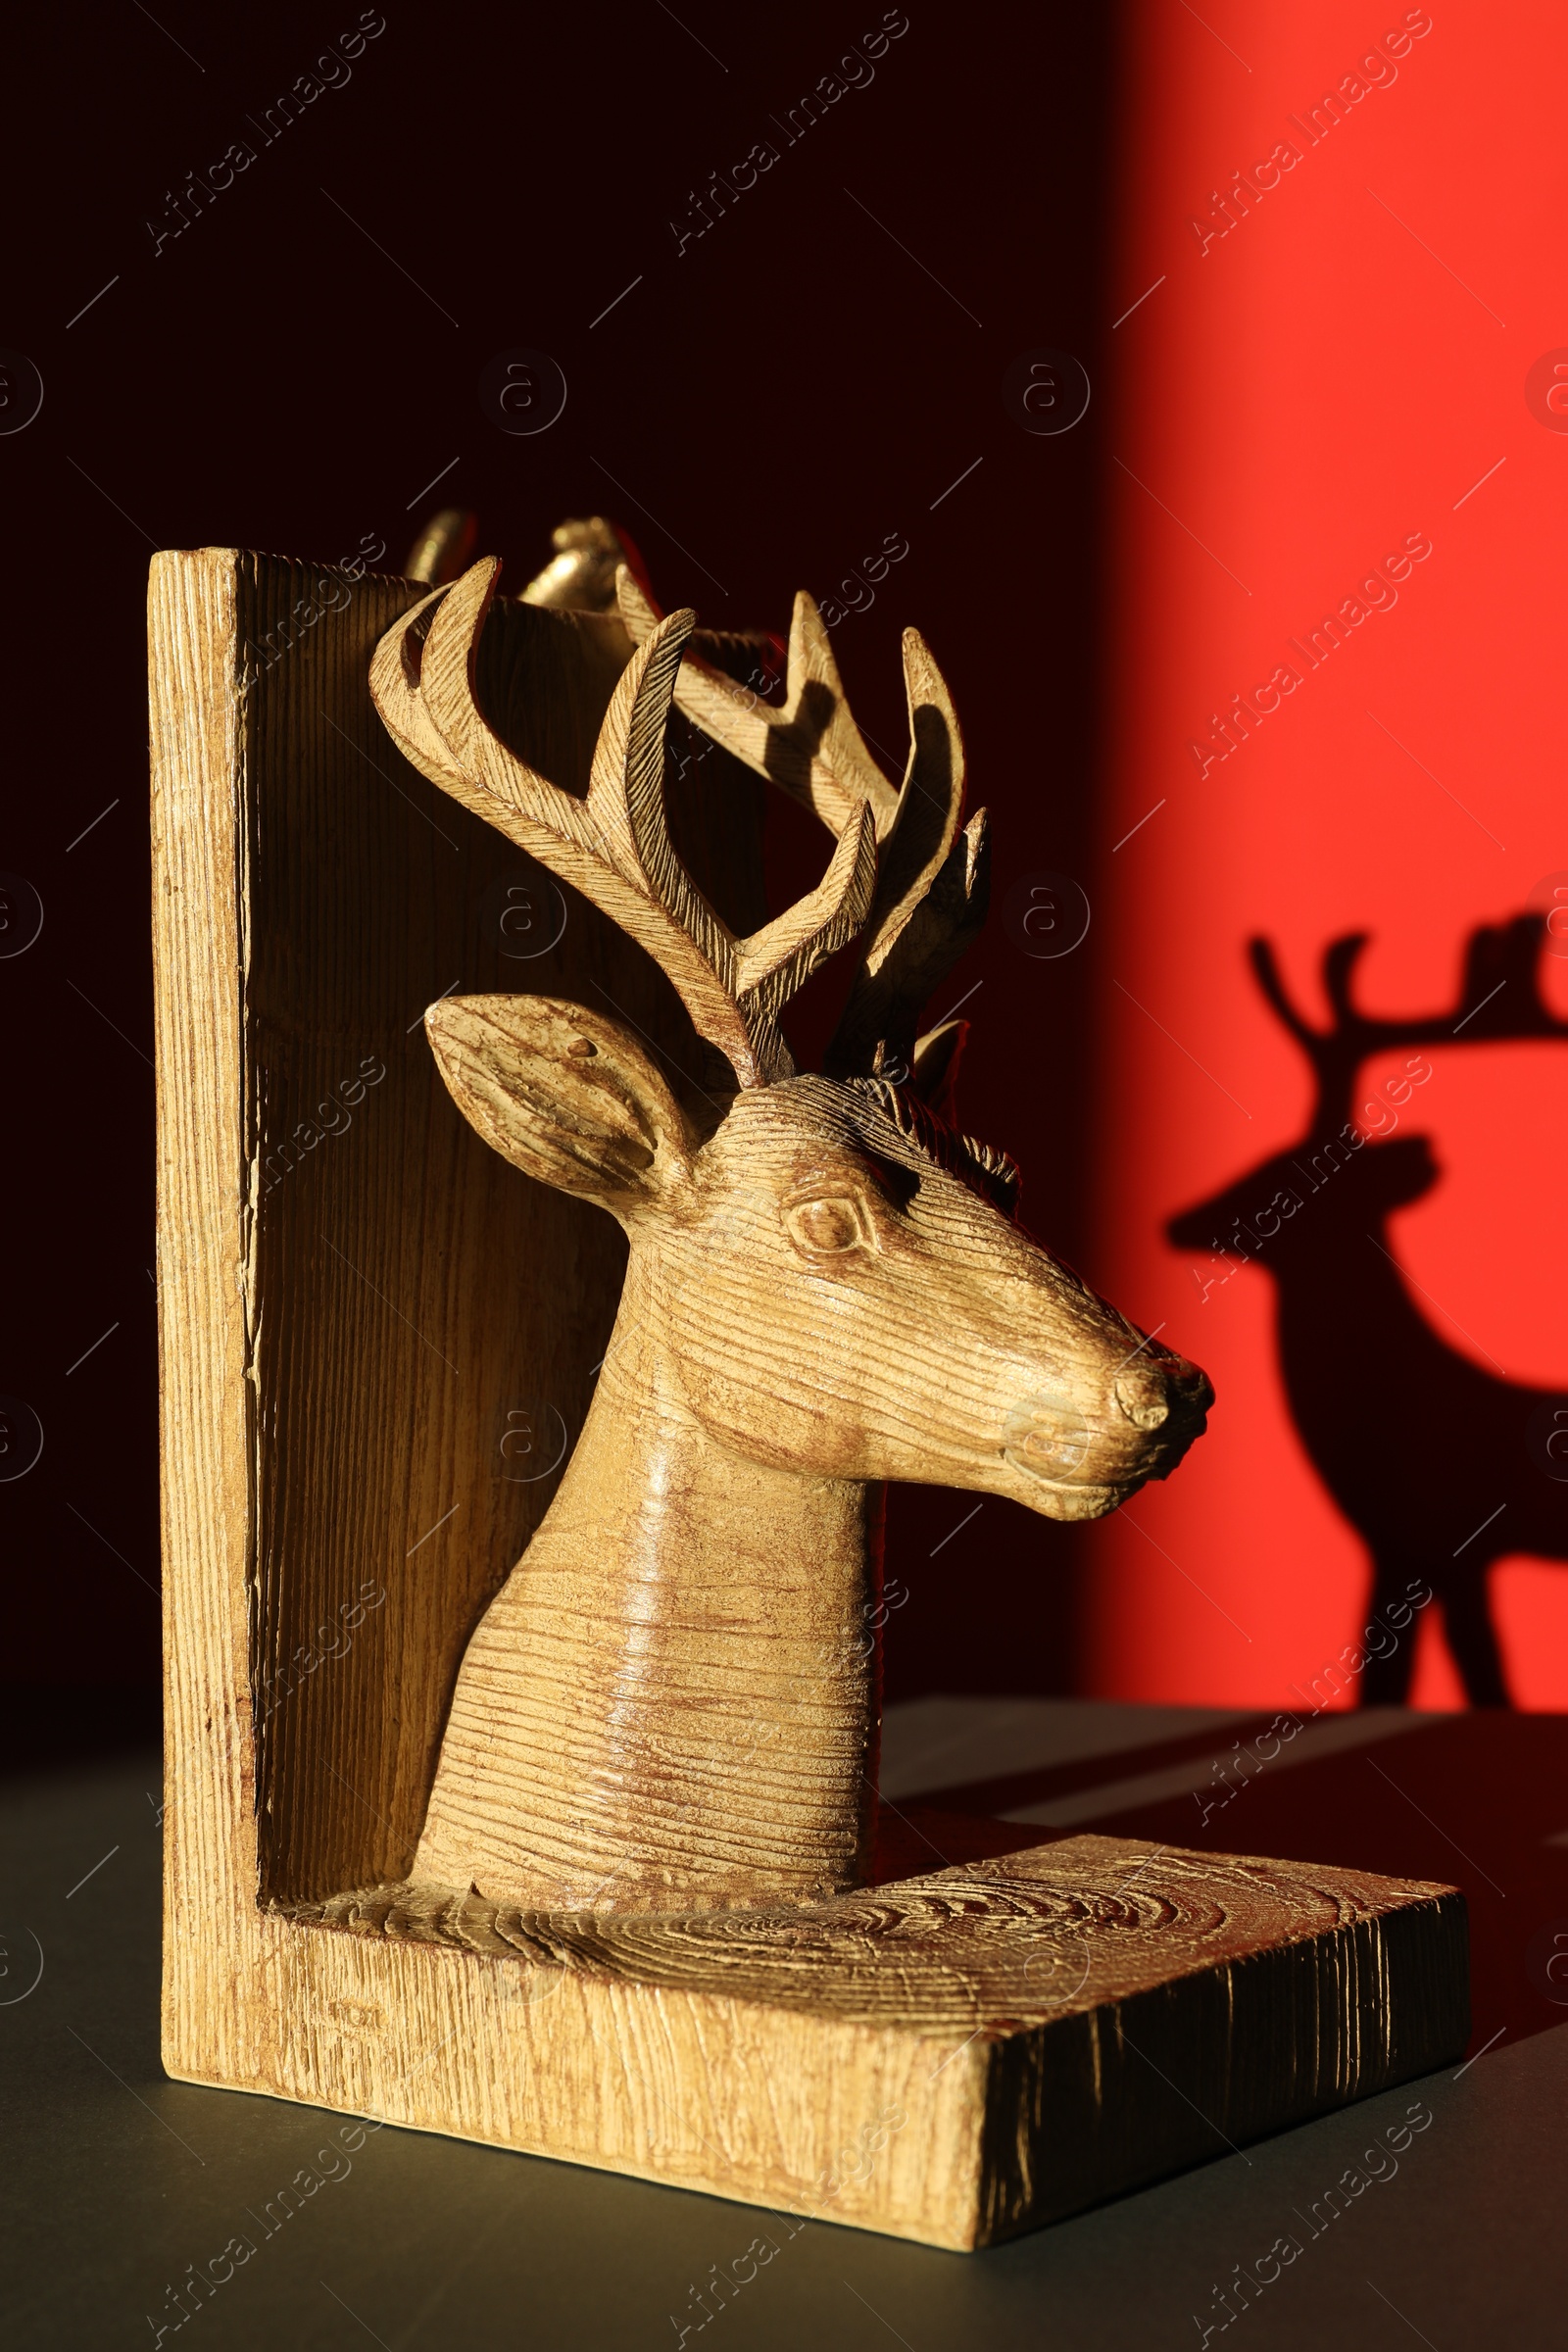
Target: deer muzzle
x=1153 y=1391
x=1089 y=1452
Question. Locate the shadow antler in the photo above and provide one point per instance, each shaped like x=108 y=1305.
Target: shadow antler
x=1500 y=999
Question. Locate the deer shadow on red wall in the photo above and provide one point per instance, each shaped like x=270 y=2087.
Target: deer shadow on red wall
x=1442 y=1466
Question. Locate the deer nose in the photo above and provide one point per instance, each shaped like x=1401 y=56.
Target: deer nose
x=1143 y=1395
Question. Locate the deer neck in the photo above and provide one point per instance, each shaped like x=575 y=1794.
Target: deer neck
x=674 y=1491
x=672 y=1703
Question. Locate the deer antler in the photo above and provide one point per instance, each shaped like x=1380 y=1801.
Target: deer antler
x=931 y=888
x=614 y=846
x=811 y=749
x=1499 y=998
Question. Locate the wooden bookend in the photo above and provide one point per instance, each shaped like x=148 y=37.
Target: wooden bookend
x=554 y=1826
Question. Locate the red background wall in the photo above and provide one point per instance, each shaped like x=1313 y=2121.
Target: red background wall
x=1294 y=398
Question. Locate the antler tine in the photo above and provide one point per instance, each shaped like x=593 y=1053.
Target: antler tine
x=614 y=846
x=1505 y=957
x=878 y=1031
x=811 y=749
x=1335 y=1053
x=1265 y=960
x=932 y=888
x=1339 y=959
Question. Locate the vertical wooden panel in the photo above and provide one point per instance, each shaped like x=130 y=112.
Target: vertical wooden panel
x=408 y=1298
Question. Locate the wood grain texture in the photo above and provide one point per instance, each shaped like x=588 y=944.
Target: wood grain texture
x=1054 y=2028
x=348 y=1322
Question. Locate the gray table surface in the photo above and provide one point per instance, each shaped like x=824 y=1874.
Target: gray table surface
x=119 y=2179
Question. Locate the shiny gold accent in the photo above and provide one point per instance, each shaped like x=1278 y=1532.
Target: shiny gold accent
x=580 y=576
x=443 y=548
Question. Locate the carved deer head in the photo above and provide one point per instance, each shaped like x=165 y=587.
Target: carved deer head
x=672 y=1703
x=837 y=1276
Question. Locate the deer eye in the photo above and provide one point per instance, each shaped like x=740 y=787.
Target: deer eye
x=827 y=1225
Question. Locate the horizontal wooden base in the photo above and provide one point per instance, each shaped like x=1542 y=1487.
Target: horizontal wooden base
x=954 y=2058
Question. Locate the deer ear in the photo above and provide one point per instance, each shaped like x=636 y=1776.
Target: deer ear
x=564 y=1095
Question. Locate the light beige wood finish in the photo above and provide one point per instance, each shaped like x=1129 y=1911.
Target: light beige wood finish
x=955 y=2058
x=672 y=1703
